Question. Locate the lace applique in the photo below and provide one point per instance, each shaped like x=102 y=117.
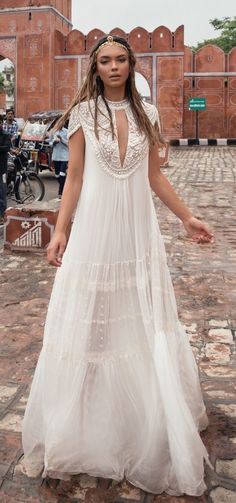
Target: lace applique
x=152 y=113
x=74 y=122
x=107 y=149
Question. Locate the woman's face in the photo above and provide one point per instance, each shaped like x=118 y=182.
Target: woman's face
x=113 y=66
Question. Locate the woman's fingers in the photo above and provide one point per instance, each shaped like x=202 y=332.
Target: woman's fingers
x=55 y=253
x=56 y=249
x=61 y=251
x=206 y=235
x=199 y=231
x=207 y=231
x=203 y=238
x=53 y=258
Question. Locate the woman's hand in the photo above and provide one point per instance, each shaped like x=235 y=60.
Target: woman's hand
x=56 y=249
x=198 y=231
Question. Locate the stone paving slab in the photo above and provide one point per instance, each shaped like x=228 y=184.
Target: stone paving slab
x=205 y=284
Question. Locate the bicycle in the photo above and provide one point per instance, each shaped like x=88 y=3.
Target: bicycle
x=23 y=184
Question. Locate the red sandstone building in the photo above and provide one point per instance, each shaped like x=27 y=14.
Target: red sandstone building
x=51 y=59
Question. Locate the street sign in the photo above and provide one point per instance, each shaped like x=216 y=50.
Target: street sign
x=197 y=103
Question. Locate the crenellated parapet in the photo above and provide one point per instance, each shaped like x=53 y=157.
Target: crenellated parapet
x=162 y=39
x=173 y=72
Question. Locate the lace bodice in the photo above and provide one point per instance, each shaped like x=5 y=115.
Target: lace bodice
x=106 y=148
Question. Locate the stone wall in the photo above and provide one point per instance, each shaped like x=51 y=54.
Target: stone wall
x=174 y=74
x=27 y=38
x=211 y=73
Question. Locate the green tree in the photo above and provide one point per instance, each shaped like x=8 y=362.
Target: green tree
x=227 y=39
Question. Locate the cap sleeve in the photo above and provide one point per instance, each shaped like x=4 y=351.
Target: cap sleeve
x=153 y=114
x=74 y=122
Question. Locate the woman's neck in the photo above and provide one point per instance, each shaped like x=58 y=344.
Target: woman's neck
x=114 y=94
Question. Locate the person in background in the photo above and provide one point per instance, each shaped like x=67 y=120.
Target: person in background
x=5 y=145
x=60 y=156
x=10 y=125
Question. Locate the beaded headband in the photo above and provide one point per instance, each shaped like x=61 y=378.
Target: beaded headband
x=110 y=41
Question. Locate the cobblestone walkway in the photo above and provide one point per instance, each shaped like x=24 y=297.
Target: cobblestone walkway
x=205 y=284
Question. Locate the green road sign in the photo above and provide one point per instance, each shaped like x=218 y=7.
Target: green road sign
x=197 y=103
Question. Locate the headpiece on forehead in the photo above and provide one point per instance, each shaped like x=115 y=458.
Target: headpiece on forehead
x=110 y=41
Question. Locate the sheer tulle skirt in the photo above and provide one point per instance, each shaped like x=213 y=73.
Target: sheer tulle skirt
x=116 y=390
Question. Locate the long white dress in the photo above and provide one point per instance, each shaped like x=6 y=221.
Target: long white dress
x=116 y=390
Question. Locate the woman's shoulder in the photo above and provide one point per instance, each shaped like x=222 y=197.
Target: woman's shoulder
x=84 y=110
x=148 y=106
x=151 y=111
x=81 y=115
x=83 y=106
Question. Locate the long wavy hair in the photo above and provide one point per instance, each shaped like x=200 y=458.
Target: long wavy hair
x=93 y=87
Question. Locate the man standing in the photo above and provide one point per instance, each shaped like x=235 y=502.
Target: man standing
x=10 y=125
x=5 y=145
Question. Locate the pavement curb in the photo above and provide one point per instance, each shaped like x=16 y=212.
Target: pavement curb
x=213 y=142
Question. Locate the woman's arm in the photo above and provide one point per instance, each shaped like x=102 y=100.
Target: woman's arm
x=198 y=230
x=70 y=196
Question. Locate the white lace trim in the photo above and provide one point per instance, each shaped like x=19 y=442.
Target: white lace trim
x=152 y=113
x=118 y=105
x=74 y=122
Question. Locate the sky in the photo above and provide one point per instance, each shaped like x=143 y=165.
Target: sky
x=127 y=14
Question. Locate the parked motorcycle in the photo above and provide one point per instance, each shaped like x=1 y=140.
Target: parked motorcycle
x=23 y=183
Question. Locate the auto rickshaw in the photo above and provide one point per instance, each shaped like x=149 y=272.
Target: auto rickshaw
x=35 y=138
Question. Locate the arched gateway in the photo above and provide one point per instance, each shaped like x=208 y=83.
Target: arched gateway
x=51 y=59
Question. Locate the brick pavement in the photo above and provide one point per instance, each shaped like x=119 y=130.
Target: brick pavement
x=205 y=283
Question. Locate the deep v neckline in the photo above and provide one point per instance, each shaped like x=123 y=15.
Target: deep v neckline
x=119 y=139
x=120 y=106
x=106 y=146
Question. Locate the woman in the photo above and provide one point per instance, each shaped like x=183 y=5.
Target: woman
x=116 y=390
